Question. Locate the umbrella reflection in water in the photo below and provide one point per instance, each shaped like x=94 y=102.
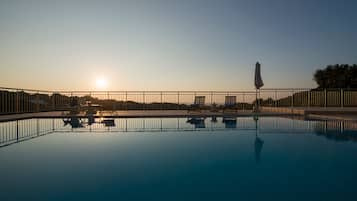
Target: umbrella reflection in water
x=258 y=144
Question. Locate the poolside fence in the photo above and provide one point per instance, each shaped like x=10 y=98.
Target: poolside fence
x=13 y=100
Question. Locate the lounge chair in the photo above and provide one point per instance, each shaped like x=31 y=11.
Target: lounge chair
x=230 y=104
x=198 y=103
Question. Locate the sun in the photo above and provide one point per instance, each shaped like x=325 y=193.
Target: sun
x=101 y=83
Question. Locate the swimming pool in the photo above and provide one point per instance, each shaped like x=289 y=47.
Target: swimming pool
x=268 y=158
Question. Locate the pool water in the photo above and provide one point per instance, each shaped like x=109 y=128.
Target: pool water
x=267 y=159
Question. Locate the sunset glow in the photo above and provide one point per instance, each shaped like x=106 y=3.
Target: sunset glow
x=101 y=83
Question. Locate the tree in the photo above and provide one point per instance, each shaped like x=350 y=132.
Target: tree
x=337 y=76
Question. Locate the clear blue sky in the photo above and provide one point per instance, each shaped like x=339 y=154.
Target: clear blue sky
x=172 y=45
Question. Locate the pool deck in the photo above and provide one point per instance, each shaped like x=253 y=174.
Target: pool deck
x=308 y=113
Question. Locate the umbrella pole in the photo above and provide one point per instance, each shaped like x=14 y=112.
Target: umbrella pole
x=256 y=128
x=256 y=100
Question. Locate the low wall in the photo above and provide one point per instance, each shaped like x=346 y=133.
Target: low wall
x=285 y=110
x=312 y=110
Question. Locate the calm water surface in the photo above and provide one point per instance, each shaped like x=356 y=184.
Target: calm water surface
x=295 y=160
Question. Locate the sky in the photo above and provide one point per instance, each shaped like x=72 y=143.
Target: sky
x=172 y=45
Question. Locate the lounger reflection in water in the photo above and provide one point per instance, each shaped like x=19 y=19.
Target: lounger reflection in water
x=199 y=122
x=74 y=122
x=230 y=122
x=108 y=122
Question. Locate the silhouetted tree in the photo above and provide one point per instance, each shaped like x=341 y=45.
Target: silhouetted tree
x=337 y=76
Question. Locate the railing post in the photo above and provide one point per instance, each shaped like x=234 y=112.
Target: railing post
x=17 y=130
x=126 y=100
x=292 y=99
x=308 y=98
x=143 y=100
x=37 y=102
x=194 y=95
x=6 y=102
x=10 y=102
x=28 y=107
x=341 y=97
x=276 y=98
x=53 y=102
x=17 y=101
x=325 y=97
x=69 y=105
x=161 y=106
x=178 y=100
x=2 y=102
x=38 y=127
x=108 y=97
x=243 y=101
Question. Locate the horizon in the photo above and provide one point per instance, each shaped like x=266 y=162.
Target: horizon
x=172 y=45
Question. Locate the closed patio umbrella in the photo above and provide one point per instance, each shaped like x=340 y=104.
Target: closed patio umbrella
x=258 y=82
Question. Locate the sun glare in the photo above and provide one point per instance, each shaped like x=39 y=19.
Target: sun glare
x=101 y=83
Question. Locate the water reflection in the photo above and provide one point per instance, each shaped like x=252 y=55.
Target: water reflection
x=108 y=122
x=15 y=131
x=230 y=122
x=214 y=119
x=198 y=122
x=74 y=122
x=258 y=146
x=258 y=143
x=250 y=157
x=338 y=131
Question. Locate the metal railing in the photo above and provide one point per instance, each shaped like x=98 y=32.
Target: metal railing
x=14 y=100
